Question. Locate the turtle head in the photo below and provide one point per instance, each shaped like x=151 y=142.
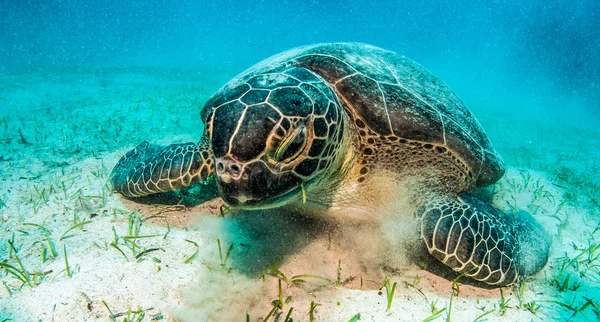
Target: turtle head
x=269 y=154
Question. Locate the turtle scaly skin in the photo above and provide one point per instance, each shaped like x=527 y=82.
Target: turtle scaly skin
x=150 y=169
x=310 y=123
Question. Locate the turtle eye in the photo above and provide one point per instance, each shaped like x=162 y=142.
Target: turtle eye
x=292 y=145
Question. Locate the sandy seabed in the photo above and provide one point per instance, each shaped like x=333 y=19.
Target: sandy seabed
x=73 y=250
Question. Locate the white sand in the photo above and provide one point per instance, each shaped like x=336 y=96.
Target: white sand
x=76 y=124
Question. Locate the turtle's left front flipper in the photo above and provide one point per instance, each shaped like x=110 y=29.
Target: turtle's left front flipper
x=149 y=169
x=483 y=242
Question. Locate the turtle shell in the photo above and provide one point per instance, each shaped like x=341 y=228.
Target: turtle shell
x=393 y=95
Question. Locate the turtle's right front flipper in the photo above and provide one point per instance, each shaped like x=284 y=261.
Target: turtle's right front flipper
x=150 y=169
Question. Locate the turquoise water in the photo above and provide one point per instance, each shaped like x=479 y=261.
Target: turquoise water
x=82 y=82
x=542 y=54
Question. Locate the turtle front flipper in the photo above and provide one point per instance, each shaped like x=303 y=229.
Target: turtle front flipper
x=149 y=169
x=482 y=242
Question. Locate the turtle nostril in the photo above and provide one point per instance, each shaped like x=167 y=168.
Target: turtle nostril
x=220 y=166
x=227 y=166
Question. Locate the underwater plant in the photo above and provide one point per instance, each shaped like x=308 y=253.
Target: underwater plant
x=390 y=289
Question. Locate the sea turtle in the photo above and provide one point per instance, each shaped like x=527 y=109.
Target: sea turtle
x=315 y=121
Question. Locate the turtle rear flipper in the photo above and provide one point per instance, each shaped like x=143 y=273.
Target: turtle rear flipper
x=149 y=169
x=482 y=242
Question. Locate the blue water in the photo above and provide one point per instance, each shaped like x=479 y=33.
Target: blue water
x=530 y=71
x=540 y=54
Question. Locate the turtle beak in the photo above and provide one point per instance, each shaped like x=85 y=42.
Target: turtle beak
x=252 y=185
